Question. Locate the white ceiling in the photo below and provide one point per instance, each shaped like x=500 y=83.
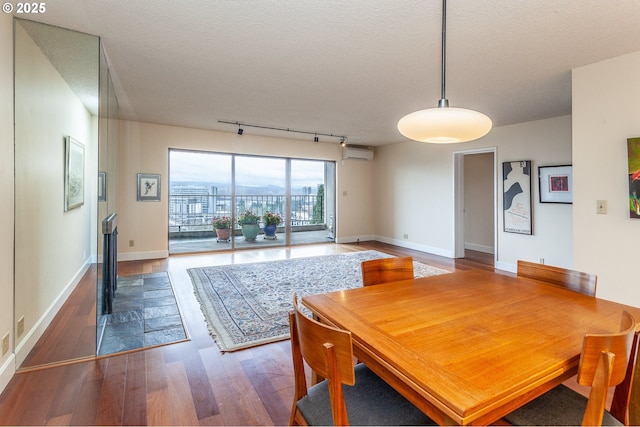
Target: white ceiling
x=345 y=67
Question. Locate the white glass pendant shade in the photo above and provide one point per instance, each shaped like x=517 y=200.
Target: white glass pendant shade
x=445 y=125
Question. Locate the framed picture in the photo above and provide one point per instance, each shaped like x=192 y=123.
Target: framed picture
x=148 y=187
x=516 y=180
x=556 y=184
x=102 y=186
x=73 y=173
x=633 y=152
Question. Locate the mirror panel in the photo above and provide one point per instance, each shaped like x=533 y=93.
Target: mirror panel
x=107 y=179
x=57 y=94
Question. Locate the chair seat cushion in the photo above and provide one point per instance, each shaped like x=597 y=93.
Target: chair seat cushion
x=560 y=406
x=371 y=401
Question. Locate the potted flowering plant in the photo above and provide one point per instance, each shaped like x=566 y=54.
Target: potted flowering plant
x=222 y=225
x=270 y=218
x=248 y=217
x=248 y=222
x=221 y=222
x=271 y=221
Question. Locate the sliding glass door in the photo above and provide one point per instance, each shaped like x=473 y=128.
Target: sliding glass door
x=260 y=194
x=200 y=188
x=312 y=200
x=262 y=201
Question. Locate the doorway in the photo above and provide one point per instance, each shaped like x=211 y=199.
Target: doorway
x=207 y=187
x=475 y=202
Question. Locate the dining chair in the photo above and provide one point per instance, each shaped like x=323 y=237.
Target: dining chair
x=385 y=270
x=623 y=407
x=603 y=363
x=576 y=281
x=348 y=393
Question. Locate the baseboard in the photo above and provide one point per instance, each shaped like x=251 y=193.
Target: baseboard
x=138 y=256
x=33 y=335
x=506 y=266
x=415 y=246
x=479 y=248
x=7 y=370
x=355 y=239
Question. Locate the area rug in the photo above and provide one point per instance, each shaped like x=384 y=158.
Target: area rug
x=246 y=305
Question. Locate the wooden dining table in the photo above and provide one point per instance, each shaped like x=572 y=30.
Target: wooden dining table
x=468 y=347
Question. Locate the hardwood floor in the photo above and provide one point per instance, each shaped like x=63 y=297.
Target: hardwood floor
x=187 y=383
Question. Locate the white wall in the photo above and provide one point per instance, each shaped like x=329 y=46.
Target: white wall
x=606 y=111
x=144 y=148
x=7 y=361
x=414 y=190
x=479 y=216
x=52 y=247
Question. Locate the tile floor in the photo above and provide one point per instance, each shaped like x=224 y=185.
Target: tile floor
x=145 y=313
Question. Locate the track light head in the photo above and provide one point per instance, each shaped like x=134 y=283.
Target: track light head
x=315 y=138
x=343 y=142
x=240 y=131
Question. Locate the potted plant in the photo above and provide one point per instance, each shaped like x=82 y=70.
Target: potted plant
x=271 y=221
x=222 y=225
x=248 y=222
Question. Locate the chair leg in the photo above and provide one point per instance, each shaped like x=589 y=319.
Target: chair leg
x=598 y=395
x=292 y=417
x=296 y=418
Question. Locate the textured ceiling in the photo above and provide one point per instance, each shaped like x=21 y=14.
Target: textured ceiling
x=341 y=67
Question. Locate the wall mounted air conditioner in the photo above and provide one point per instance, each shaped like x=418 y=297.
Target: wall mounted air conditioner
x=362 y=153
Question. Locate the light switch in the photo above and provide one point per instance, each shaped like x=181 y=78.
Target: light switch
x=601 y=207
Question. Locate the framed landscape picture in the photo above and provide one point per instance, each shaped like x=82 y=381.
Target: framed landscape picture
x=516 y=180
x=73 y=173
x=148 y=187
x=556 y=184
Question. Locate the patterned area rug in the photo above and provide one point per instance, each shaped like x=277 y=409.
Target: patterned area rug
x=247 y=304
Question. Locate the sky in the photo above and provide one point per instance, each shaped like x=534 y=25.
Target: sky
x=212 y=167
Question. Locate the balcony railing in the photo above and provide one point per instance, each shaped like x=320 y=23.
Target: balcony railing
x=195 y=212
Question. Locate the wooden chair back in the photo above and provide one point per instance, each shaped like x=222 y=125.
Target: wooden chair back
x=603 y=364
x=384 y=270
x=576 y=281
x=623 y=408
x=329 y=352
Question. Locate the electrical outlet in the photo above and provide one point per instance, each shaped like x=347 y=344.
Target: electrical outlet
x=541 y=260
x=132 y=243
x=5 y=344
x=406 y=236
x=20 y=326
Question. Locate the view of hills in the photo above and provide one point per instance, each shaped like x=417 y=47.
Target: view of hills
x=225 y=188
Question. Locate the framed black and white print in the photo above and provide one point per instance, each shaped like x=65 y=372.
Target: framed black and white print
x=516 y=180
x=73 y=174
x=148 y=187
x=102 y=186
x=556 y=184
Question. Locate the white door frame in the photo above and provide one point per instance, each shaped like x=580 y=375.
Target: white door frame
x=458 y=200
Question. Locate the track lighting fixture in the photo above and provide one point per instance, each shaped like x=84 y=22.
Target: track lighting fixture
x=341 y=138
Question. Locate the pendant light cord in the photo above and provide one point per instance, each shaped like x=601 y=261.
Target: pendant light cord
x=443 y=98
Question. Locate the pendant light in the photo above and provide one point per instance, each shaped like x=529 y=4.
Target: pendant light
x=444 y=124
